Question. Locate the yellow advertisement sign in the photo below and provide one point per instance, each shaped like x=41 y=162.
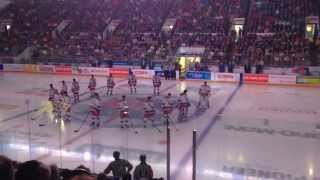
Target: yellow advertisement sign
x=30 y=68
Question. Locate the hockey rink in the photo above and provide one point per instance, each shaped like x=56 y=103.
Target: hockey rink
x=250 y=131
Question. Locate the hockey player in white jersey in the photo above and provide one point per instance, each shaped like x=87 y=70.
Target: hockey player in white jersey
x=204 y=94
x=110 y=85
x=149 y=111
x=64 y=89
x=92 y=85
x=156 y=80
x=66 y=105
x=52 y=92
x=124 y=112
x=183 y=105
x=132 y=82
x=75 y=90
x=95 y=110
x=167 y=105
x=57 y=107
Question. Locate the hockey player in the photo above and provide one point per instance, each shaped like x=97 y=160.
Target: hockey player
x=64 y=89
x=67 y=103
x=57 y=105
x=183 y=105
x=110 y=85
x=92 y=86
x=167 y=105
x=132 y=81
x=75 y=90
x=156 y=84
x=149 y=111
x=95 y=110
x=124 y=112
x=52 y=92
x=204 y=93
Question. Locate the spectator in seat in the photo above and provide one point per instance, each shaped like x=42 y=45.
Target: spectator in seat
x=120 y=168
x=143 y=171
x=6 y=168
x=34 y=170
x=82 y=173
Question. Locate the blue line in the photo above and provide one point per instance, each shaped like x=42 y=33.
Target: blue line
x=19 y=115
x=203 y=135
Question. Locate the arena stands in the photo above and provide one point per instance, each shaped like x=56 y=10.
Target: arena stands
x=273 y=33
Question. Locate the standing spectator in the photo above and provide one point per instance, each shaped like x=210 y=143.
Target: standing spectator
x=143 y=171
x=6 y=168
x=120 y=168
x=247 y=68
x=166 y=71
x=172 y=71
x=222 y=67
x=110 y=64
x=230 y=67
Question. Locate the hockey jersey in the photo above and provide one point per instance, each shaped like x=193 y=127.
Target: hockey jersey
x=204 y=90
x=75 y=87
x=92 y=84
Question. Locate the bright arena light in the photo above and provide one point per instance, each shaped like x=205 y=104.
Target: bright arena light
x=311 y=172
x=87 y=156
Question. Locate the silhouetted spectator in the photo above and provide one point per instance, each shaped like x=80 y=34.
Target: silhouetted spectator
x=78 y=173
x=6 y=168
x=247 y=68
x=222 y=67
x=32 y=170
x=143 y=171
x=120 y=168
x=230 y=67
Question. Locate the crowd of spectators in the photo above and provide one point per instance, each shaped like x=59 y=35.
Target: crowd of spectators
x=30 y=24
x=273 y=33
x=36 y=170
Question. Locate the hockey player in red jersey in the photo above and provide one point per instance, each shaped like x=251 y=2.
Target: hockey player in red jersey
x=75 y=90
x=149 y=111
x=156 y=84
x=92 y=85
x=204 y=93
x=124 y=112
x=110 y=85
x=132 y=82
x=95 y=110
x=183 y=105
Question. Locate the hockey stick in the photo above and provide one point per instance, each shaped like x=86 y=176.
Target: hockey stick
x=170 y=122
x=132 y=126
x=41 y=124
x=82 y=124
x=156 y=127
x=36 y=117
